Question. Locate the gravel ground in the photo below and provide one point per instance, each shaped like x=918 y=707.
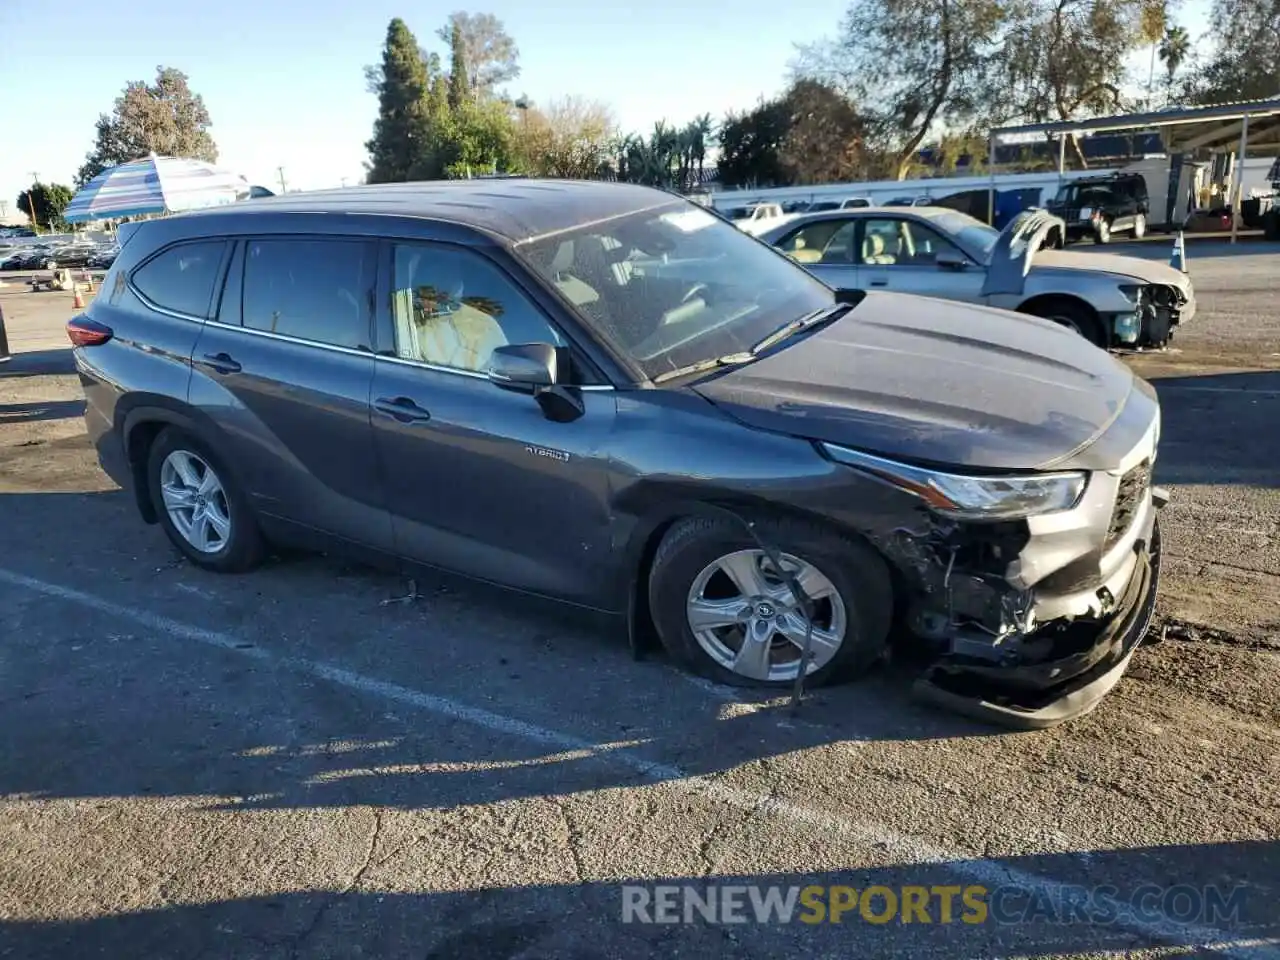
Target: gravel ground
x=283 y=765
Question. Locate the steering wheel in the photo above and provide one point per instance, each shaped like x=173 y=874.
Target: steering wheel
x=693 y=291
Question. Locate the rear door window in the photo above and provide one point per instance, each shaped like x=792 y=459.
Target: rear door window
x=181 y=279
x=825 y=242
x=319 y=290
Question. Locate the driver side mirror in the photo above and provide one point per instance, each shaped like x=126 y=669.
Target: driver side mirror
x=524 y=367
x=951 y=261
x=537 y=369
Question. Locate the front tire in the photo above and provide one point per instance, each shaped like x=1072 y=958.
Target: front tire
x=1074 y=316
x=722 y=611
x=1139 y=226
x=200 y=506
x=1102 y=233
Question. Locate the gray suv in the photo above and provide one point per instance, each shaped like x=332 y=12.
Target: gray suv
x=606 y=395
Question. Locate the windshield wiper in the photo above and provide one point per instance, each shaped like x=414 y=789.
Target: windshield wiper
x=728 y=360
x=833 y=312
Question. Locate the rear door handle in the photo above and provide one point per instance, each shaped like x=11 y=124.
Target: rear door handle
x=222 y=362
x=402 y=408
x=879 y=283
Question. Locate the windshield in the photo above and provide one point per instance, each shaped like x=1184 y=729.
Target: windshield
x=971 y=235
x=1074 y=194
x=675 y=285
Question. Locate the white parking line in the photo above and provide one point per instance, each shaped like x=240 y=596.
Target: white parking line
x=911 y=849
x=1239 y=391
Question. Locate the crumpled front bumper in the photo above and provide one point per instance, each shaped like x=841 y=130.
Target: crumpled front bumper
x=1086 y=660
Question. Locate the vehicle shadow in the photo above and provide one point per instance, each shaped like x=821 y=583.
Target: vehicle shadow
x=1213 y=899
x=37 y=412
x=1220 y=429
x=39 y=363
x=73 y=718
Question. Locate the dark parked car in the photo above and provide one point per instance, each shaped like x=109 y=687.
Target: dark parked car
x=33 y=258
x=1099 y=207
x=606 y=395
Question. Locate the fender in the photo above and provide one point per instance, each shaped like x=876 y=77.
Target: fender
x=660 y=506
x=150 y=412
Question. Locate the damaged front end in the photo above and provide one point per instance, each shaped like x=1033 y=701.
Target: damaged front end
x=1163 y=307
x=1018 y=670
x=1031 y=620
x=1155 y=310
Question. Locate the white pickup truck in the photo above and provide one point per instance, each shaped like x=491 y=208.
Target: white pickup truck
x=755 y=218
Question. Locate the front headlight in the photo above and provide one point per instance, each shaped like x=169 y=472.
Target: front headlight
x=1008 y=497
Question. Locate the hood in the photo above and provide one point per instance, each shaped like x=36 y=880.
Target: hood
x=934 y=381
x=1015 y=250
x=1149 y=271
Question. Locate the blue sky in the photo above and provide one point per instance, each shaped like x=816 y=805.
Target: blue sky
x=283 y=80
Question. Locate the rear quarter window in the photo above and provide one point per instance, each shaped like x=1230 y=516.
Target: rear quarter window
x=182 y=277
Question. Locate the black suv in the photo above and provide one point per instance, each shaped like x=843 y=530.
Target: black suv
x=607 y=395
x=1099 y=207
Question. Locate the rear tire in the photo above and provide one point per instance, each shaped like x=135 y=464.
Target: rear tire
x=1073 y=316
x=851 y=580
x=200 y=506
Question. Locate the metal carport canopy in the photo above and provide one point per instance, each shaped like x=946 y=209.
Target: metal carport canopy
x=1253 y=126
x=1182 y=128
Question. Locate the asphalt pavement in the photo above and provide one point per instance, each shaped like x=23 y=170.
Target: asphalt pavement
x=291 y=763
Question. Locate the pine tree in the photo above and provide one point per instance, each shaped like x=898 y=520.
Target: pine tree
x=459 y=85
x=165 y=118
x=400 y=132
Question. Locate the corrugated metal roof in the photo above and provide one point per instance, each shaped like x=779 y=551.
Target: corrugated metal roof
x=1172 y=117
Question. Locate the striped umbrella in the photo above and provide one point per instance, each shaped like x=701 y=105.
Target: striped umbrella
x=154 y=185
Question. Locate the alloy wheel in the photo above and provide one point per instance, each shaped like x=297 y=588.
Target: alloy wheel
x=743 y=615
x=196 y=501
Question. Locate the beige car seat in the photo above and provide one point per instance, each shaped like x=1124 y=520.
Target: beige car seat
x=803 y=254
x=463 y=338
x=873 y=250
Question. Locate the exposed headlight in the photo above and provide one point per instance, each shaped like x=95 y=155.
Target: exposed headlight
x=1008 y=497
x=1132 y=292
x=1086 y=213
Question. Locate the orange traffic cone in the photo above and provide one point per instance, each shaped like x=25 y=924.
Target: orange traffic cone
x=79 y=304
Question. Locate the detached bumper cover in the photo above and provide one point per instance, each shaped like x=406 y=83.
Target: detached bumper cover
x=1088 y=660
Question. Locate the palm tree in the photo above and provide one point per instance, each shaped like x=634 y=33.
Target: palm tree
x=1153 y=23
x=700 y=132
x=1175 y=48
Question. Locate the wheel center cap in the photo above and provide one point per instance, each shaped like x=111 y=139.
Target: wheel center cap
x=765 y=610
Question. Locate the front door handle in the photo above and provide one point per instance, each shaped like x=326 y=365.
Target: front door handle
x=222 y=362
x=402 y=408
x=880 y=283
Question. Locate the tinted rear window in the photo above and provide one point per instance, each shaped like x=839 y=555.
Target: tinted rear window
x=311 y=289
x=182 y=278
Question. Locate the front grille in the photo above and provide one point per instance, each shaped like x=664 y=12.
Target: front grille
x=1129 y=499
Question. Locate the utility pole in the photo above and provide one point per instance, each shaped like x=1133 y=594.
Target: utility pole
x=344 y=181
x=31 y=201
x=283 y=186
